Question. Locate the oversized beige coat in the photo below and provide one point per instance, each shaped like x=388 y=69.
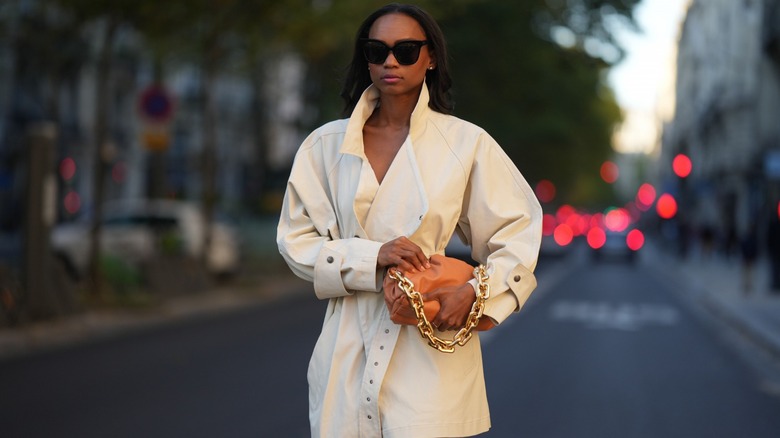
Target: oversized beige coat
x=369 y=377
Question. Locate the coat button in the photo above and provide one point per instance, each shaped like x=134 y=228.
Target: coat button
x=517 y=278
x=330 y=259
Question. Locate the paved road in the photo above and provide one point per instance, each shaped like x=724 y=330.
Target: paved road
x=611 y=351
x=602 y=351
x=239 y=375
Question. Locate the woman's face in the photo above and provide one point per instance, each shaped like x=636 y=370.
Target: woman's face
x=391 y=77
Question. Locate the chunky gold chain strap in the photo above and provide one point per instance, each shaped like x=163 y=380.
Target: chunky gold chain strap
x=424 y=326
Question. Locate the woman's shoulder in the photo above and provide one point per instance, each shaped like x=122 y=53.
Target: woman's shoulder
x=334 y=127
x=459 y=131
x=451 y=121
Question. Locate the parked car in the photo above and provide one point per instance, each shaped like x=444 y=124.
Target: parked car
x=138 y=230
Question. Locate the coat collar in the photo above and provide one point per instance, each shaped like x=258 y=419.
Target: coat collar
x=353 y=138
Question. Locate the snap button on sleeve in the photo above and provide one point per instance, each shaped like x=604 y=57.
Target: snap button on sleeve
x=517 y=278
x=330 y=259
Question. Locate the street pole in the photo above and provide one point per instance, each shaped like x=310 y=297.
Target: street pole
x=39 y=299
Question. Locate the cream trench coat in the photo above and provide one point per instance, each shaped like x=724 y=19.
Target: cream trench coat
x=369 y=377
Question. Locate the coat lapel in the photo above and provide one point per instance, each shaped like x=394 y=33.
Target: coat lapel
x=400 y=202
x=396 y=207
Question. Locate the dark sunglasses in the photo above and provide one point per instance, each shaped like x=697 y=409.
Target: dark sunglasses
x=405 y=52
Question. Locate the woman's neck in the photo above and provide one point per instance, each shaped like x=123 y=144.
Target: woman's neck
x=393 y=111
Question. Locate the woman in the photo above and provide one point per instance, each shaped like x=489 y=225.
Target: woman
x=388 y=187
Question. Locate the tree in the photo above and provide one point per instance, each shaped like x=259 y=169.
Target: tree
x=103 y=18
x=216 y=35
x=546 y=103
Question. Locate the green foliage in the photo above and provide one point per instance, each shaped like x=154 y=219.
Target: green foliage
x=123 y=278
x=547 y=105
x=171 y=243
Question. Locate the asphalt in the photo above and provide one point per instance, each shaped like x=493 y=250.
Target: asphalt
x=718 y=284
x=715 y=283
x=105 y=323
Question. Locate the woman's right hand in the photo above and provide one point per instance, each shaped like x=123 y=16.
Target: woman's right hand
x=403 y=254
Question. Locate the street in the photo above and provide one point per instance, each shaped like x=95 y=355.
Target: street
x=612 y=352
x=601 y=350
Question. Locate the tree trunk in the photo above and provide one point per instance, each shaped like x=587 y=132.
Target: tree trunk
x=260 y=165
x=209 y=156
x=40 y=293
x=102 y=107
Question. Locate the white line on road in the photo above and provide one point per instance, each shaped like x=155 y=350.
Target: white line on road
x=614 y=316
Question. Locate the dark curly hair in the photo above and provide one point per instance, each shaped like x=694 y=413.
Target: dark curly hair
x=439 y=81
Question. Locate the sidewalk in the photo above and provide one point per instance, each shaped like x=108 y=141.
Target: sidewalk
x=95 y=325
x=717 y=283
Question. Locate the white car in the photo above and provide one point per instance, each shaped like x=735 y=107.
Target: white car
x=137 y=230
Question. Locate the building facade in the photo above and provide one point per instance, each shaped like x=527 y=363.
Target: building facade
x=726 y=119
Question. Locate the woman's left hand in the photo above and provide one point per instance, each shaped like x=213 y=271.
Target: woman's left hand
x=456 y=302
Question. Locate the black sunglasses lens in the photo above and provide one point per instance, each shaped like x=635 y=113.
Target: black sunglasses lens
x=406 y=53
x=375 y=52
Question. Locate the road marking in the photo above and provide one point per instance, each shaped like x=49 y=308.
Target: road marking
x=614 y=316
x=771 y=388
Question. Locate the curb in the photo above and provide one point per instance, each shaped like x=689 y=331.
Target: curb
x=745 y=324
x=99 y=325
x=729 y=312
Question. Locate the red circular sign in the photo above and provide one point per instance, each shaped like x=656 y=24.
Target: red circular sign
x=155 y=104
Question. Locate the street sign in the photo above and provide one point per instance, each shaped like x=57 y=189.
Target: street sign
x=156 y=104
x=156 y=141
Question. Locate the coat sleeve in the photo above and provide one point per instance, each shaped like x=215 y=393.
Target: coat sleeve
x=308 y=235
x=502 y=221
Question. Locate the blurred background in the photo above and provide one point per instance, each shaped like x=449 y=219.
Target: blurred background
x=145 y=147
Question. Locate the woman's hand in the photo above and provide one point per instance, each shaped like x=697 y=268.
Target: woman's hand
x=403 y=254
x=456 y=302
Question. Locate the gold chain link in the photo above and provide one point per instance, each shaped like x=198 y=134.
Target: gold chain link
x=424 y=326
